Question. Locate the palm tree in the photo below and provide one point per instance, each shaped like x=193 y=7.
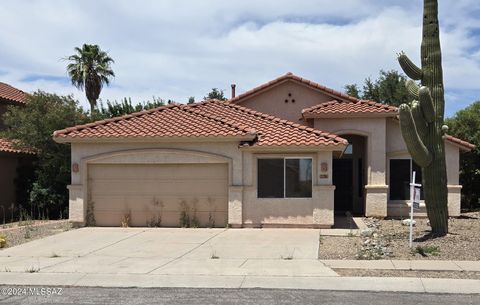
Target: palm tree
x=89 y=69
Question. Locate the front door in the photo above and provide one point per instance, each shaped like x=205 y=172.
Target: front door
x=343 y=181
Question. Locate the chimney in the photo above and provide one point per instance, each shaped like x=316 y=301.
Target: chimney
x=233 y=90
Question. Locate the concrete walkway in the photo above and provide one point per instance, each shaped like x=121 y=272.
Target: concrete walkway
x=206 y=258
x=416 y=265
x=418 y=285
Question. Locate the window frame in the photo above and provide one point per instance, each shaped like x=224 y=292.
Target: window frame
x=285 y=176
x=401 y=157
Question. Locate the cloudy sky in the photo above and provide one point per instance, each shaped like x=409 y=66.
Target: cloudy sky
x=176 y=49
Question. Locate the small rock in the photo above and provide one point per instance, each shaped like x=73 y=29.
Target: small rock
x=366 y=232
x=406 y=222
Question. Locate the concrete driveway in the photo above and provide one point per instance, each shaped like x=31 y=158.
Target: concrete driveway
x=172 y=252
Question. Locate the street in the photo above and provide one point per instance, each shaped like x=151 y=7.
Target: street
x=172 y=296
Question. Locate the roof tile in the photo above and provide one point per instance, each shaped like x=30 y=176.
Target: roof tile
x=349 y=107
x=9 y=146
x=12 y=94
x=206 y=119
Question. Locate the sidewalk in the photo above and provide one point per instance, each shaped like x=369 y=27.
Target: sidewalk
x=416 y=285
x=414 y=265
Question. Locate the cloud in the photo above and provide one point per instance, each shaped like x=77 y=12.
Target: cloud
x=176 y=49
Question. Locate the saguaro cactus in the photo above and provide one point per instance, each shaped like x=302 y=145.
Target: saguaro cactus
x=422 y=122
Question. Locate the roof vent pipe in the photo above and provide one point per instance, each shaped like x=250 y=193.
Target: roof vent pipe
x=233 y=90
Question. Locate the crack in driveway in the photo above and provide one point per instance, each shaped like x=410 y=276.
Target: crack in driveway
x=188 y=252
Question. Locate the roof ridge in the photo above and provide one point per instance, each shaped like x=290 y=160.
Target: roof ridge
x=190 y=108
x=364 y=102
x=275 y=119
x=292 y=76
x=115 y=119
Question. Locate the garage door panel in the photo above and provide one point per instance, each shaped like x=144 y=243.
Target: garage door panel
x=149 y=192
x=149 y=171
x=165 y=188
x=144 y=203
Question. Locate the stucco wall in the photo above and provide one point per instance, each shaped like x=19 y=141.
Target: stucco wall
x=316 y=211
x=273 y=102
x=396 y=149
x=374 y=129
x=244 y=206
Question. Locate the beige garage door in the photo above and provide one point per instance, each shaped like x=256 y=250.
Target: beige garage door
x=159 y=195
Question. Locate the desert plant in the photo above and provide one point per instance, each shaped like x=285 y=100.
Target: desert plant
x=3 y=241
x=214 y=255
x=289 y=255
x=184 y=214
x=126 y=218
x=211 y=214
x=90 y=217
x=195 y=223
x=427 y=250
x=155 y=222
x=422 y=122
x=32 y=269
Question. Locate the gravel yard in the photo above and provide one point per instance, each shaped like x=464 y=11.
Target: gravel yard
x=410 y=273
x=388 y=239
x=21 y=232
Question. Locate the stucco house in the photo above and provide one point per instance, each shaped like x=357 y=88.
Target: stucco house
x=11 y=158
x=289 y=153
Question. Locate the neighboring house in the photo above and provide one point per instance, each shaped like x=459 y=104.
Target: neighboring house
x=289 y=153
x=11 y=158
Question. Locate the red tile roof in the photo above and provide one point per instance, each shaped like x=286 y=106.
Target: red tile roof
x=368 y=108
x=290 y=76
x=167 y=121
x=212 y=119
x=272 y=131
x=350 y=108
x=11 y=94
x=8 y=146
x=463 y=144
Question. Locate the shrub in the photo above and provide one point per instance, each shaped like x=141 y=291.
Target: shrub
x=3 y=241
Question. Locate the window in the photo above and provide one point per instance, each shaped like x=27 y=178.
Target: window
x=284 y=178
x=348 y=150
x=400 y=177
x=270 y=178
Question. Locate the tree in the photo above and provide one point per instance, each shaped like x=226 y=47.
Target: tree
x=90 y=69
x=422 y=122
x=215 y=94
x=352 y=90
x=465 y=124
x=114 y=109
x=389 y=88
x=32 y=126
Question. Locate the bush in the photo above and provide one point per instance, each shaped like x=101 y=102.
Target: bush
x=33 y=126
x=3 y=241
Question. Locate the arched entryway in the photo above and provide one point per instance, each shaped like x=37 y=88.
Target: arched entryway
x=349 y=176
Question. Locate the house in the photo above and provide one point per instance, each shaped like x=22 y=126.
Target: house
x=289 y=153
x=11 y=158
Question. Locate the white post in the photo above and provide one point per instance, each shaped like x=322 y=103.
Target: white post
x=412 y=187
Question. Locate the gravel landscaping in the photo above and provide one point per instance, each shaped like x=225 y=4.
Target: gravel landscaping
x=410 y=273
x=21 y=232
x=388 y=239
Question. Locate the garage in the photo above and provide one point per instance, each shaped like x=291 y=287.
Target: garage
x=167 y=195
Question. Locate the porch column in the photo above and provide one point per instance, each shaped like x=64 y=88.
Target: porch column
x=376 y=190
x=76 y=209
x=235 y=198
x=323 y=201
